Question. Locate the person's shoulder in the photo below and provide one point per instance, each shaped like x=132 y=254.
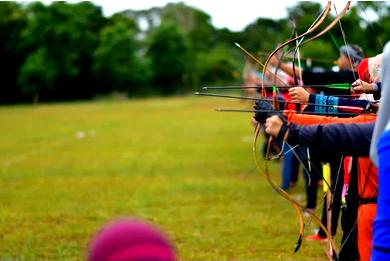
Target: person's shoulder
x=318 y=71
x=347 y=72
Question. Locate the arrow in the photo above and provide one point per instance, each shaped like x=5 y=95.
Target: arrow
x=342 y=86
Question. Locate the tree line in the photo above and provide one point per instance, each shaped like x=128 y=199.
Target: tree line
x=65 y=51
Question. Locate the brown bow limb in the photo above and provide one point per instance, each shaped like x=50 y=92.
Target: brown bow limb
x=300 y=209
x=331 y=25
x=310 y=30
x=279 y=190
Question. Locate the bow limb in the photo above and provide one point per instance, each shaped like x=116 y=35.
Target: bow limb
x=279 y=190
x=297 y=206
x=331 y=25
x=312 y=28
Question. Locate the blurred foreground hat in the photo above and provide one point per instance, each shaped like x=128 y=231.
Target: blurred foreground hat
x=130 y=240
x=374 y=65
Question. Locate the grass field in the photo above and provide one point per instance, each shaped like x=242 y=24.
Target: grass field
x=66 y=169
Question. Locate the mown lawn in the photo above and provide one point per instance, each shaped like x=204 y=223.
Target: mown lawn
x=66 y=169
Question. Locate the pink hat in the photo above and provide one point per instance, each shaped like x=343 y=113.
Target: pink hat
x=130 y=240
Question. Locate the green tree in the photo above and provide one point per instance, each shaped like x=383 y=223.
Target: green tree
x=69 y=34
x=117 y=67
x=377 y=29
x=12 y=21
x=70 y=51
x=37 y=74
x=217 y=66
x=326 y=56
x=304 y=14
x=168 y=52
x=194 y=23
x=198 y=31
x=264 y=35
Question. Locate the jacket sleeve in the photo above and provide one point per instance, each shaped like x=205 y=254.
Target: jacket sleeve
x=347 y=139
x=331 y=100
x=309 y=119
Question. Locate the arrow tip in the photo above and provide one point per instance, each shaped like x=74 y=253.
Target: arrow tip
x=204 y=88
x=237 y=44
x=196 y=93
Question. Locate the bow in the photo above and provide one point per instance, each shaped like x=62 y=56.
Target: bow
x=311 y=29
x=297 y=206
x=331 y=25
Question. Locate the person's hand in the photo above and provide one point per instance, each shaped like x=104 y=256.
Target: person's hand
x=264 y=110
x=373 y=107
x=360 y=86
x=273 y=125
x=274 y=61
x=299 y=95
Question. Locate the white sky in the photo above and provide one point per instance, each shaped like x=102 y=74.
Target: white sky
x=233 y=14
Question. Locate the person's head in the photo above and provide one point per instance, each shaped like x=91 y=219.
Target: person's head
x=130 y=240
x=350 y=57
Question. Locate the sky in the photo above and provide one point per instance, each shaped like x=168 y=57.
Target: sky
x=234 y=15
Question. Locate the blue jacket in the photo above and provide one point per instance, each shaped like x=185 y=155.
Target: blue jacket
x=331 y=100
x=346 y=139
x=381 y=239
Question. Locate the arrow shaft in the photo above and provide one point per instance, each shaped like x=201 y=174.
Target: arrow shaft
x=286 y=111
x=261 y=99
x=341 y=86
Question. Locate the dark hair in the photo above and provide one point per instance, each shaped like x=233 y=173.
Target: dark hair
x=358 y=49
x=353 y=51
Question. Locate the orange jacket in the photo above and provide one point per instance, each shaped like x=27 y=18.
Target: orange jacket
x=368 y=188
x=308 y=119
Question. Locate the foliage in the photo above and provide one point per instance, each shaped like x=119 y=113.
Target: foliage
x=303 y=15
x=195 y=24
x=68 y=33
x=162 y=50
x=12 y=21
x=37 y=74
x=217 y=66
x=200 y=37
x=263 y=35
x=116 y=66
x=311 y=50
x=168 y=54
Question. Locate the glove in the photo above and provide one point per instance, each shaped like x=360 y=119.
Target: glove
x=372 y=107
x=265 y=111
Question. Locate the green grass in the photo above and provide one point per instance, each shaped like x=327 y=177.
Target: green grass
x=174 y=162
